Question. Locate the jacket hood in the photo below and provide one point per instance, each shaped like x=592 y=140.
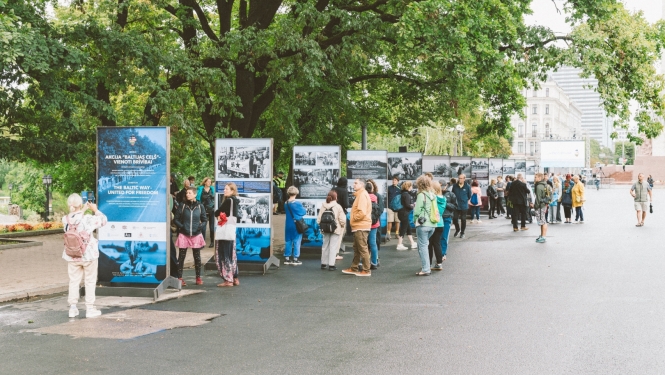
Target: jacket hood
x=342 y=182
x=440 y=199
x=326 y=206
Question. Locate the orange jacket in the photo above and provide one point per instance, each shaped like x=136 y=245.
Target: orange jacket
x=361 y=211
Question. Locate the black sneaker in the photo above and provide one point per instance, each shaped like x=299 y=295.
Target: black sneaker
x=287 y=261
x=332 y=268
x=323 y=266
x=296 y=262
x=456 y=234
x=372 y=267
x=462 y=235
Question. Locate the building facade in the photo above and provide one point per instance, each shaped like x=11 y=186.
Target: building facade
x=549 y=114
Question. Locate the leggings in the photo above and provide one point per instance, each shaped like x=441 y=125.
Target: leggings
x=211 y=224
x=566 y=212
x=579 y=215
x=197 y=261
x=434 y=246
x=404 y=225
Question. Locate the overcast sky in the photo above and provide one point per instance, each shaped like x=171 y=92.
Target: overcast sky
x=544 y=13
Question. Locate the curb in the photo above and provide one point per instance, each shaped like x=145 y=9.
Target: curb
x=21 y=244
x=32 y=233
x=27 y=294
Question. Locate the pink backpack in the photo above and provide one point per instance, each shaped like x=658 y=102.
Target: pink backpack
x=75 y=241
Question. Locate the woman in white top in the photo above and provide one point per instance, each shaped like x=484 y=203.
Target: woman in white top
x=332 y=241
x=87 y=264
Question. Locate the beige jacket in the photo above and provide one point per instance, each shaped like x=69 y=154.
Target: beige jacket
x=340 y=217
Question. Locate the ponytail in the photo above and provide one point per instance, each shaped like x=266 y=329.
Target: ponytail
x=332 y=196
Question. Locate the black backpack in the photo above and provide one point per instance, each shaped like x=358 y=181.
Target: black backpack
x=328 y=223
x=376 y=212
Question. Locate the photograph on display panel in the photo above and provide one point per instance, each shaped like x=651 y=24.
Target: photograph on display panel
x=131 y=261
x=313 y=237
x=367 y=164
x=496 y=167
x=314 y=183
x=252 y=244
x=304 y=159
x=520 y=166
x=460 y=165
x=254 y=209
x=406 y=166
x=483 y=184
x=311 y=206
x=327 y=159
x=508 y=167
x=243 y=163
x=438 y=166
x=480 y=168
x=531 y=167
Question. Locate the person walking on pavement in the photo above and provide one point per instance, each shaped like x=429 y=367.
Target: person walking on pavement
x=206 y=195
x=84 y=267
x=650 y=181
x=393 y=191
x=434 y=247
x=226 y=258
x=190 y=218
x=361 y=222
x=578 y=199
x=518 y=197
x=462 y=192
x=639 y=191
x=332 y=241
x=425 y=227
x=451 y=207
x=541 y=204
x=294 y=211
x=403 y=215
x=500 y=191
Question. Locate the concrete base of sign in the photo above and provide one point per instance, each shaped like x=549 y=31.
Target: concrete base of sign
x=136 y=291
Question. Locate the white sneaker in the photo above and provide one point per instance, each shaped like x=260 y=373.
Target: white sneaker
x=73 y=311
x=402 y=247
x=478 y=221
x=92 y=313
x=472 y=221
x=414 y=245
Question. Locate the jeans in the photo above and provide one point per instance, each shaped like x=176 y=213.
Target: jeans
x=424 y=233
x=360 y=250
x=434 y=247
x=558 y=211
x=447 y=221
x=475 y=212
x=579 y=215
x=551 y=213
x=373 y=248
x=293 y=247
x=460 y=215
x=519 y=210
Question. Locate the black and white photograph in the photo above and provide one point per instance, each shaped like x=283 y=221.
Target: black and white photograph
x=243 y=163
x=314 y=183
x=438 y=166
x=327 y=159
x=460 y=165
x=253 y=209
x=520 y=167
x=531 y=167
x=508 y=167
x=480 y=168
x=406 y=166
x=366 y=164
x=483 y=184
x=304 y=159
x=311 y=206
x=496 y=166
x=253 y=244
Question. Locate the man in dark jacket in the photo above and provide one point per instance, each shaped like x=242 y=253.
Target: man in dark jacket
x=462 y=192
x=451 y=207
x=342 y=193
x=393 y=191
x=518 y=197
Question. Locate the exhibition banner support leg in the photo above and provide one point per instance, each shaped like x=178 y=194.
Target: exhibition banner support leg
x=133 y=291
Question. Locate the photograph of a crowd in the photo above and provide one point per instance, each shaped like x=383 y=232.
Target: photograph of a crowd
x=327 y=159
x=243 y=162
x=406 y=168
x=314 y=183
x=253 y=208
x=305 y=159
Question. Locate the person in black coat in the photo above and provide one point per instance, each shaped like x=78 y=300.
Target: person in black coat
x=403 y=216
x=518 y=197
x=226 y=259
x=190 y=218
x=342 y=193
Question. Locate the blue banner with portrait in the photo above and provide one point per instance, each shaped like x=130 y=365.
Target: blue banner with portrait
x=132 y=188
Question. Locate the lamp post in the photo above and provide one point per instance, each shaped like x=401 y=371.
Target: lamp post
x=47 y=180
x=10 y=186
x=460 y=131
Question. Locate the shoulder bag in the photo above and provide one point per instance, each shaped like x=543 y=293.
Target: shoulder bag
x=301 y=226
x=227 y=232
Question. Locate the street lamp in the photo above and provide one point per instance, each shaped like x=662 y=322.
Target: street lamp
x=47 y=180
x=10 y=193
x=460 y=131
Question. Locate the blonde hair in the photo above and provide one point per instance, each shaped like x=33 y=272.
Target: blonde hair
x=492 y=182
x=406 y=185
x=75 y=202
x=292 y=191
x=437 y=188
x=203 y=182
x=423 y=183
x=233 y=188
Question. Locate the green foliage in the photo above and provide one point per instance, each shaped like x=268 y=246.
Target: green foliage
x=629 y=148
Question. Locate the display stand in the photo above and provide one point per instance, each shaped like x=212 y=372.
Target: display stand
x=246 y=266
x=136 y=290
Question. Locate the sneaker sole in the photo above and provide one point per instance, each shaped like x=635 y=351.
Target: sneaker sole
x=363 y=275
x=349 y=272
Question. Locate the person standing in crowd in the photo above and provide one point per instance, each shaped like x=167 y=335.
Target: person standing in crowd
x=191 y=219
x=403 y=215
x=174 y=185
x=276 y=197
x=553 y=208
x=393 y=191
x=578 y=200
x=434 y=246
x=294 y=211
x=476 y=194
x=509 y=204
x=557 y=177
x=206 y=195
x=361 y=222
x=639 y=191
x=181 y=195
x=84 y=267
x=226 y=259
x=492 y=197
x=280 y=181
x=421 y=219
x=451 y=207
x=192 y=181
x=500 y=191
x=462 y=192
x=541 y=205
x=518 y=197
x=343 y=200
x=332 y=241
x=371 y=188
x=567 y=198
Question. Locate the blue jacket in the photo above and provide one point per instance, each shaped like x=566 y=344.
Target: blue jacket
x=463 y=194
x=290 y=232
x=200 y=189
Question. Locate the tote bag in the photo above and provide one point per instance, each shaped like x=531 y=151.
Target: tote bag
x=227 y=232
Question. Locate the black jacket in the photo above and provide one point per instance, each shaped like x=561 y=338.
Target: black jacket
x=518 y=193
x=342 y=193
x=225 y=207
x=407 y=201
x=451 y=204
x=190 y=217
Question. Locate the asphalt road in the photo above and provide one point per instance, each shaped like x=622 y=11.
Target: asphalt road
x=589 y=301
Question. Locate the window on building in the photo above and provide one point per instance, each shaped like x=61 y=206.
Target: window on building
x=520 y=130
x=534 y=109
x=532 y=147
x=520 y=147
x=534 y=130
x=547 y=130
x=535 y=93
x=547 y=109
x=547 y=92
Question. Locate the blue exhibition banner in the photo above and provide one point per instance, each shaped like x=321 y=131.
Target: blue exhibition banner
x=132 y=188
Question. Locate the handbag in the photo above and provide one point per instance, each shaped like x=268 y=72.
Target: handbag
x=227 y=232
x=301 y=226
x=650 y=208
